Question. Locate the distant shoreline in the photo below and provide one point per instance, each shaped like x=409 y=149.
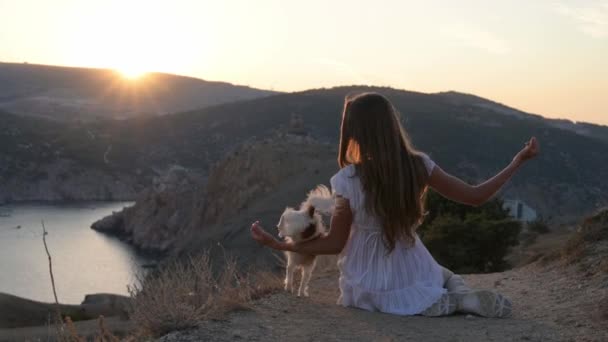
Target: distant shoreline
x=64 y=202
x=18 y=312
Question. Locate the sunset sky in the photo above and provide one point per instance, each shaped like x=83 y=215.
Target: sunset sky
x=544 y=57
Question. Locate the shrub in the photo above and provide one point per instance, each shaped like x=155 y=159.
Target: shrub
x=538 y=226
x=589 y=243
x=469 y=239
x=181 y=295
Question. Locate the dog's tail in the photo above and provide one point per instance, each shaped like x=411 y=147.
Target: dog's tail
x=320 y=198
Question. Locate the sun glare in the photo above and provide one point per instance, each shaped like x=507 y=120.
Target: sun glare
x=135 y=44
x=131 y=73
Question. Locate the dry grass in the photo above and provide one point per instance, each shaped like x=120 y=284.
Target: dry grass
x=587 y=246
x=263 y=284
x=183 y=294
x=574 y=249
x=104 y=334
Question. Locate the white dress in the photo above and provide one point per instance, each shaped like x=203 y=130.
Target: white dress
x=405 y=282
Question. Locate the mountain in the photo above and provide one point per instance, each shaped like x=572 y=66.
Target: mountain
x=263 y=168
x=581 y=128
x=68 y=93
x=471 y=141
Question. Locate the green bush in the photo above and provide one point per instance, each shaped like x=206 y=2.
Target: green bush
x=469 y=239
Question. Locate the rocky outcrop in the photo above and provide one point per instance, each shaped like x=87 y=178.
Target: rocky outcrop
x=160 y=214
x=20 y=312
x=105 y=304
x=255 y=169
x=182 y=213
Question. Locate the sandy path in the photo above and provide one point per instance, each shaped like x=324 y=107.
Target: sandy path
x=548 y=306
x=88 y=328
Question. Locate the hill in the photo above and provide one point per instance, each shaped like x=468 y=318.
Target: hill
x=46 y=160
x=68 y=93
x=471 y=141
x=581 y=128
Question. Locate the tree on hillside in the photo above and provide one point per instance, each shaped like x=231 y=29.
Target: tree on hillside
x=468 y=239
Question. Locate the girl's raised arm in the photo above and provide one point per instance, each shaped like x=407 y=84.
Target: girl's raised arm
x=456 y=190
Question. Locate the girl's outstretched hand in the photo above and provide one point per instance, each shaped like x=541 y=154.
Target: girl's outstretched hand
x=260 y=235
x=530 y=151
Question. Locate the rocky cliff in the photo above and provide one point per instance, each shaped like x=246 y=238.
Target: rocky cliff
x=161 y=213
x=255 y=181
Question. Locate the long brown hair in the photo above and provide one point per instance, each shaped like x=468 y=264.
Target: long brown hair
x=391 y=170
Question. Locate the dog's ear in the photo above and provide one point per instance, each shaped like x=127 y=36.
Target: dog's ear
x=311 y=210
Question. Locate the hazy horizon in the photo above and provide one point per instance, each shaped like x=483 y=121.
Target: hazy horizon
x=543 y=57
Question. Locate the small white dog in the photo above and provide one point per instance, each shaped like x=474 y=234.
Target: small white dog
x=304 y=225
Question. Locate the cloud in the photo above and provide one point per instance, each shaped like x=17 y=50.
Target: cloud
x=591 y=18
x=476 y=38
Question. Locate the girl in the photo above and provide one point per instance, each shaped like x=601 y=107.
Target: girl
x=379 y=194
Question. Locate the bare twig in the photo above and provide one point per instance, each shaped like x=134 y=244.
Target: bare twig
x=44 y=233
x=57 y=308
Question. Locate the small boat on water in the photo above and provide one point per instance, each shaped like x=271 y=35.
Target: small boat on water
x=6 y=212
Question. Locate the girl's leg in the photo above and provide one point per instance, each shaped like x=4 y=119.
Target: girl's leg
x=453 y=282
x=448 y=303
x=446 y=275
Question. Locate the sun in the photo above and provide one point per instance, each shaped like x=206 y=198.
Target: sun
x=131 y=73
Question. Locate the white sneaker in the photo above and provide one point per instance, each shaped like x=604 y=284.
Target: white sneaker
x=446 y=305
x=485 y=303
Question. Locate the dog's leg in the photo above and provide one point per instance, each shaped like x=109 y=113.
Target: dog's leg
x=289 y=275
x=306 y=275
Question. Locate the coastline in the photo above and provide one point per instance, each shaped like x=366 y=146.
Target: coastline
x=84 y=261
x=18 y=312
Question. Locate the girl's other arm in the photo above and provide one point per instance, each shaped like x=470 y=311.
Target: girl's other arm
x=331 y=243
x=455 y=189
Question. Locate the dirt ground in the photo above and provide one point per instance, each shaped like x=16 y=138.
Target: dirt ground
x=88 y=328
x=551 y=303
